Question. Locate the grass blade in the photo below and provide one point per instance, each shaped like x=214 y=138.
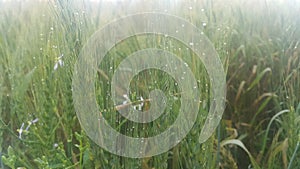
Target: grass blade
x=241 y=145
x=258 y=78
x=268 y=128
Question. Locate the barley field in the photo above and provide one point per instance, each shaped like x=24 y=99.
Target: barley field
x=258 y=43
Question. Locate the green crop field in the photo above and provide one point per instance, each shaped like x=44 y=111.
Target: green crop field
x=258 y=43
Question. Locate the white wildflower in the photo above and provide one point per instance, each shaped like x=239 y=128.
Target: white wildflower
x=59 y=62
x=127 y=99
x=139 y=106
x=142 y=101
x=20 y=131
x=31 y=122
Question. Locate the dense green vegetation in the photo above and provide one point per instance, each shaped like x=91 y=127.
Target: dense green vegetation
x=258 y=43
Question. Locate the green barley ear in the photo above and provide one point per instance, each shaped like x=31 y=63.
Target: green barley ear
x=11 y=159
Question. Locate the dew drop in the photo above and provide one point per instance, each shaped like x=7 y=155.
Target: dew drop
x=55 y=145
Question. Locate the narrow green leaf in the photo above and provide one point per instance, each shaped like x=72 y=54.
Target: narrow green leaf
x=268 y=128
x=241 y=145
x=258 y=78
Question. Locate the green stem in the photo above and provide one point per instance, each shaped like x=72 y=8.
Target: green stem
x=294 y=155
